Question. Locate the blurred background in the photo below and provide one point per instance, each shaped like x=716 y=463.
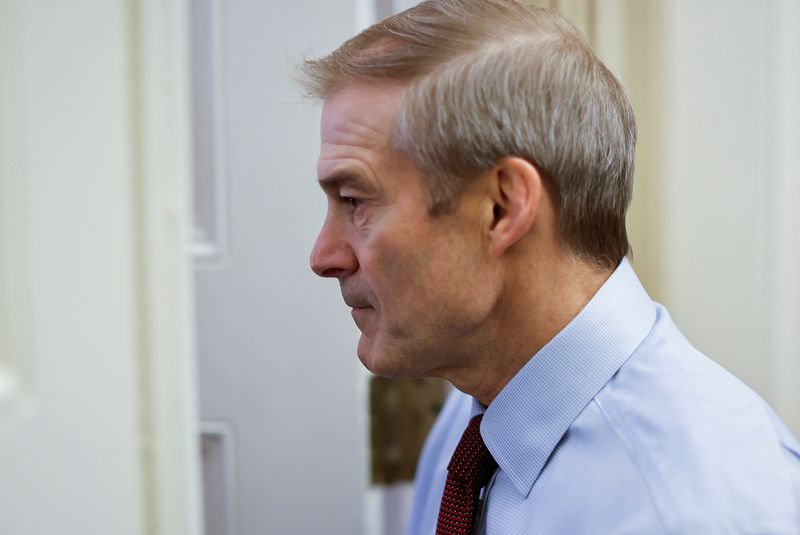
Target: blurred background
x=169 y=364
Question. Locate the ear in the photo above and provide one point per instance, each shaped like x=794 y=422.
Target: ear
x=517 y=190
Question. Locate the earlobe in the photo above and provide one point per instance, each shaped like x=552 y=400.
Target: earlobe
x=516 y=195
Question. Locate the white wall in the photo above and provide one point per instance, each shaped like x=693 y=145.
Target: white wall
x=716 y=188
x=725 y=247
x=784 y=216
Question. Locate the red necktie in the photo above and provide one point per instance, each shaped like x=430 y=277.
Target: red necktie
x=469 y=470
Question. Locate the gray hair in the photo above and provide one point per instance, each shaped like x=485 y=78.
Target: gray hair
x=488 y=79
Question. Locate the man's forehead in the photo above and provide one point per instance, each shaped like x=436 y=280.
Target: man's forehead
x=357 y=122
x=365 y=108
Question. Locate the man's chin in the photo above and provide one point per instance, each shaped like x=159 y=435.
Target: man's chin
x=374 y=363
x=378 y=361
x=388 y=364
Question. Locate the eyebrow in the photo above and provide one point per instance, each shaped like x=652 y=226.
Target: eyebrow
x=339 y=179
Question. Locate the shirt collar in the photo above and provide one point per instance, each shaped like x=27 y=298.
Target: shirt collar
x=527 y=419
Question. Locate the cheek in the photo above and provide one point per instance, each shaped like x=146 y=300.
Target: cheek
x=399 y=265
x=399 y=276
x=421 y=276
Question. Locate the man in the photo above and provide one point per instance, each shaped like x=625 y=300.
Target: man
x=477 y=159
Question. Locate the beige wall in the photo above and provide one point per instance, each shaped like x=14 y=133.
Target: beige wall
x=712 y=218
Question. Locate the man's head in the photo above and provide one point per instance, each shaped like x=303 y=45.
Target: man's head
x=465 y=144
x=491 y=78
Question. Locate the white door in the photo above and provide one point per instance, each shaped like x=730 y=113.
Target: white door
x=97 y=431
x=283 y=396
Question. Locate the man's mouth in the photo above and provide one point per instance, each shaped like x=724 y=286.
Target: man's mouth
x=355 y=299
x=360 y=315
x=356 y=303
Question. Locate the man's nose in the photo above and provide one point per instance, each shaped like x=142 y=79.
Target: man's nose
x=332 y=256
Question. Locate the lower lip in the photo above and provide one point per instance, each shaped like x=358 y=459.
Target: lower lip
x=358 y=311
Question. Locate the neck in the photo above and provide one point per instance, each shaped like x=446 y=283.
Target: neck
x=539 y=301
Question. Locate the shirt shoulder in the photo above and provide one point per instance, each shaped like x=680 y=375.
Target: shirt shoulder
x=713 y=456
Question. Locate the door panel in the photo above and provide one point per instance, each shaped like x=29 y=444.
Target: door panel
x=68 y=428
x=276 y=345
x=97 y=406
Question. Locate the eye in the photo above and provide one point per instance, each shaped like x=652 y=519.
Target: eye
x=352 y=201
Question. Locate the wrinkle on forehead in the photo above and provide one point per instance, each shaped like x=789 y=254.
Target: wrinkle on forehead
x=346 y=166
x=352 y=155
x=365 y=109
x=356 y=134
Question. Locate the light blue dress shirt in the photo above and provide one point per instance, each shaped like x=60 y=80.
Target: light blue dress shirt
x=619 y=426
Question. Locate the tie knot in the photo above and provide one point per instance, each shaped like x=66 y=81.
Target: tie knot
x=472 y=462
